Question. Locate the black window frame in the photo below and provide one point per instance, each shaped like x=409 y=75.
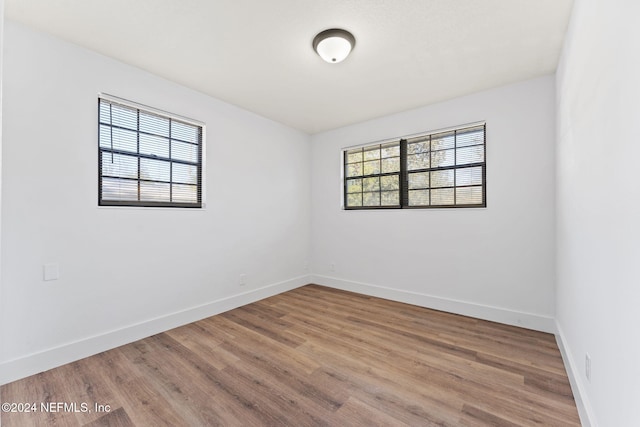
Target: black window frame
x=404 y=172
x=171 y=158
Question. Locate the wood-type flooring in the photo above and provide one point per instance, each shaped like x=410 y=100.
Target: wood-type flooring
x=313 y=356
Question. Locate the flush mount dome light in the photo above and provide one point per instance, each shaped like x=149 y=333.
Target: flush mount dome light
x=334 y=45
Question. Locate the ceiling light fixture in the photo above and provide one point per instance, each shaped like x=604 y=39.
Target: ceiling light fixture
x=334 y=45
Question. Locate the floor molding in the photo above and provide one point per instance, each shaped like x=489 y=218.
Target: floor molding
x=39 y=362
x=495 y=314
x=587 y=417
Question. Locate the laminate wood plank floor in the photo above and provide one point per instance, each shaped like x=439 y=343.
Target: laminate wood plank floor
x=313 y=356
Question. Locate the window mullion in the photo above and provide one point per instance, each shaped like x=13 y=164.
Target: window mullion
x=430 y=166
x=111 y=129
x=455 y=162
x=404 y=176
x=170 y=165
x=138 y=153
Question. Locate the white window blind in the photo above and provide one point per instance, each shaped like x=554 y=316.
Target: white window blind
x=147 y=158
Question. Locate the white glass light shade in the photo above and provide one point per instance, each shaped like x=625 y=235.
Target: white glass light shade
x=334 y=49
x=334 y=45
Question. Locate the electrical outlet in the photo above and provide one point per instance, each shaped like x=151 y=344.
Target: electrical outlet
x=587 y=366
x=243 y=279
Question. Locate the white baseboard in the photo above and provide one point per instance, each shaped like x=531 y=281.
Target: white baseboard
x=587 y=417
x=16 y=369
x=495 y=314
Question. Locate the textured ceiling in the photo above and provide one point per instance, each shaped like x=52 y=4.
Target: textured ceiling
x=257 y=54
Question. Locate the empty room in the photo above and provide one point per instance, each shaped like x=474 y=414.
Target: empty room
x=330 y=212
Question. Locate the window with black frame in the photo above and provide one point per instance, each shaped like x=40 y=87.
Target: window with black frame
x=431 y=170
x=147 y=157
x=372 y=176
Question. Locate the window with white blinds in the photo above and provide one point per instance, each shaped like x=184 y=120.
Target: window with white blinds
x=148 y=158
x=432 y=170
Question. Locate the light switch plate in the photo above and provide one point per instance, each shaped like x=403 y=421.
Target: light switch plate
x=51 y=271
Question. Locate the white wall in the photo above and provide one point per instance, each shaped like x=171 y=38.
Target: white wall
x=127 y=273
x=496 y=262
x=598 y=86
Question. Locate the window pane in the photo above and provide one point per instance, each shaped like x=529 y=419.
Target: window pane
x=442 y=196
x=119 y=189
x=443 y=178
x=371 y=199
x=442 y=141
x=154 y=145
x=156 y=125
x=417 y=161
x=155 y=170
x=469 y=196
x=372 y=153
x=442 y=158
x=418 y=147
x=419 y=180
x=354 y=199
x=354 y=156
x=105 y=136
x=390 y=198
x=184 y=193
x=372 y=167
x=354 y=169
x=354 y=185
x=390 y=182
x=391 y=165
x=105 y=112
x=154 y=191
x=185 y=174
x=119 y=165
x=419 y=198
x=125 y=140
x=371 y=184
x=469 y=176
x=473 y=154
x=391 y=149
x=125 y=117
x=184 y=132
x=470 y=136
